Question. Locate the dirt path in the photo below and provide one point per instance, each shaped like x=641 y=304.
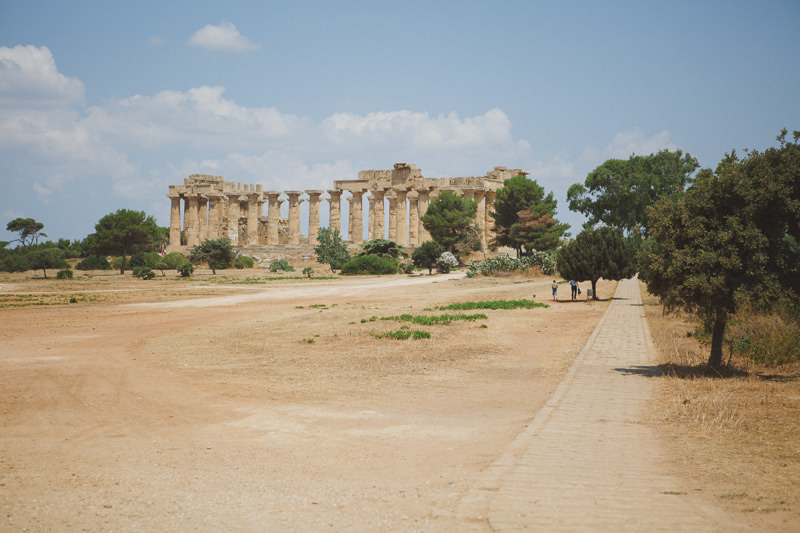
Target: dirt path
x=588 y=461
x=276 y=409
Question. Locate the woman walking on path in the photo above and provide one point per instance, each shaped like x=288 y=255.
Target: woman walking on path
x=555 y=291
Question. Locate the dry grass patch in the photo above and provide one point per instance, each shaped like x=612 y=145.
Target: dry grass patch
x=738 y=434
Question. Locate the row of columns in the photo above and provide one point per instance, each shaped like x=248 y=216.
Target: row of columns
x=216 y=215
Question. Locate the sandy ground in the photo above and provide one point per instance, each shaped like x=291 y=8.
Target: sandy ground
x=269 y=406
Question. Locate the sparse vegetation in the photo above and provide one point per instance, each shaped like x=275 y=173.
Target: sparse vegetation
x=493 y=304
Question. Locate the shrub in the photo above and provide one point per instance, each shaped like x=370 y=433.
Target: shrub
x=162 y=266
x=186 y=269
x=446 y=262
x=281 y=265
x=143 y=272
x=174 y=260
x=93 y=262
x=765 y=338
x=146 y=259
x=14 y=263
x=543 y=260
x=369 y=264
x=244 y=262
x=65 y=273
x=407 y=268
x=308 y=271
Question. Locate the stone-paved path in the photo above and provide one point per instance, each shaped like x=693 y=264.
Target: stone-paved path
x=587 y=462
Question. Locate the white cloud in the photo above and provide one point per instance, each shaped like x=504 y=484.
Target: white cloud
x=224 y=38
x=29 y=79
x=55 y=152
x=627 y=143
x=155 y=40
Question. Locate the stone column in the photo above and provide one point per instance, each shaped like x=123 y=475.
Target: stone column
x=252 y=218
x=192 y=238
x=480 y=218
x=175 y=220
x=356 y=225
x=376 y=215
x=233 y=217
x=273 y=214
x=214 y=217
x=202 y=218
x=402 y=219
x=294 y=216
x=489 y=221
x=424 y=202
x=392 y=197
x=313 y=216
x=335 y=221
x=413 y=218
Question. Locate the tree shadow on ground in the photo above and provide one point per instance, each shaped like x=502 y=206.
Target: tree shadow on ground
x=684 y=371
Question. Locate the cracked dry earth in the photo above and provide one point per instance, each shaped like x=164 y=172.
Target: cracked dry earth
x=273 y=407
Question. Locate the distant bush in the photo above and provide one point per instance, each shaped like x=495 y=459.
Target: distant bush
x=93 y=262
x=244 y=262
x=370 y=264
x=146 y=259
x=543 y=260
x=174 y=260
x=65 y=273
x=281 y=265
x=143 y=272
x=186 y=269
x=14 y=262
x=446 y=262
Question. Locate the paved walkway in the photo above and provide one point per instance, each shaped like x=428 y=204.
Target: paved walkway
x=587 y=462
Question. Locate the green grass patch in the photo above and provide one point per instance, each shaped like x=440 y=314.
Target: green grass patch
x=433 y=320
x=403 y=334
x=493 y=304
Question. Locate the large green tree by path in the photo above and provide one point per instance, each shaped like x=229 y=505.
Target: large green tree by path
x=597 y=253
x=523 y=217
x=124 y=233
x=29 y=230
x=731 y=238
x=450 y=220
x=218 y=253
x=618 y=192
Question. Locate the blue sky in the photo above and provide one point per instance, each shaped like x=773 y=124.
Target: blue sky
x=103 y=104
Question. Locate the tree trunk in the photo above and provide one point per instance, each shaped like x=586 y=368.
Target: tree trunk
x=122 y=268
x=720 y=319
x=594 y=289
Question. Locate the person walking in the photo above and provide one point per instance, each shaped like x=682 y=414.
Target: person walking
x=574 y=289
x=555 y=291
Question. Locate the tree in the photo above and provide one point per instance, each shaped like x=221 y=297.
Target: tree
x=331 y=250
x=728 y=239
x=523 y=217
x=46 y=258
x=450 y=222
x=124 y=232
x=218 y=253
x=426 y=255
x=383 y=248
x=597 y=253
x=29 y=230
x=618 y=192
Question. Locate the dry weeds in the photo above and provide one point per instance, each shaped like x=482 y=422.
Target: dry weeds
x=736 y=434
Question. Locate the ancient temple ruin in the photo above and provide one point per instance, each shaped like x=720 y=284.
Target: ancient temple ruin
x=395 y=198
